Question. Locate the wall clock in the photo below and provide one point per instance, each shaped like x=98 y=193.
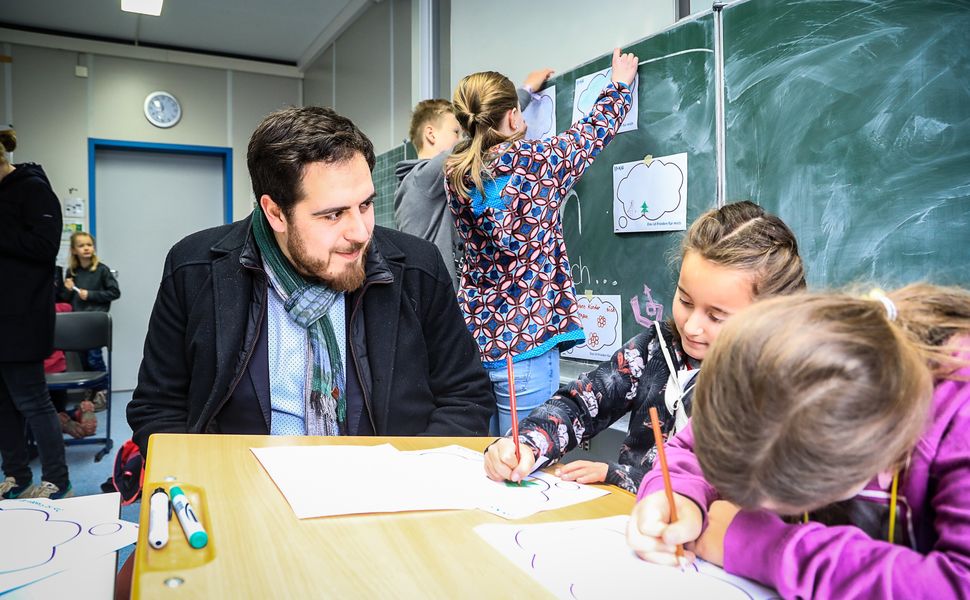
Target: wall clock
x=162 y=109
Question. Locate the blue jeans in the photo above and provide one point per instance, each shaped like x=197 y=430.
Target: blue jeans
x=536 y=380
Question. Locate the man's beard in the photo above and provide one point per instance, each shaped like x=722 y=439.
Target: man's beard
x=348 y=280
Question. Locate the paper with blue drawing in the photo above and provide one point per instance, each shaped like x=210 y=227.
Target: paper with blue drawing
x=606 y=567
x=43 y=537
x=449 y=477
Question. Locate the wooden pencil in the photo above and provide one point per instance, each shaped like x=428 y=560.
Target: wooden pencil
x=658 y=439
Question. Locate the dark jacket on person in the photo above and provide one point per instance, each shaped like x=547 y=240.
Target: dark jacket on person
x=30 y=234
x=413 y=368
x=101 y=285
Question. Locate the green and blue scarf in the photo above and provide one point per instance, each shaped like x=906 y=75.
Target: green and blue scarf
x=308 y=303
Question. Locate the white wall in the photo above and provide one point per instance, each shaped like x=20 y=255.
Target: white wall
x=515 y=37
x=55 y=112
x=365 y=74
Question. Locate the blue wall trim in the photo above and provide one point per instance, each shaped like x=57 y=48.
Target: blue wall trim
x=95 y=144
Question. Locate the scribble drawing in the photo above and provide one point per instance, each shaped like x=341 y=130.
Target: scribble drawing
x=650 y=192
x=38 y=537
x=601 y=321
x=652 y=310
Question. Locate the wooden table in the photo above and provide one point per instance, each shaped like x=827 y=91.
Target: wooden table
x=259 y=549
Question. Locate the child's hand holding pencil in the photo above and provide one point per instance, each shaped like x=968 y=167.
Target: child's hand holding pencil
x=651 y=534
x=501 y=463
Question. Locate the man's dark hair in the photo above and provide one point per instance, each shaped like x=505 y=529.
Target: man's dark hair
x=291 y=138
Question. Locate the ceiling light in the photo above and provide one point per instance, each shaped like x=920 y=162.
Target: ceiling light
x=144 y=7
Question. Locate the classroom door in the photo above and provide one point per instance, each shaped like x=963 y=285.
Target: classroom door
x=145 y=203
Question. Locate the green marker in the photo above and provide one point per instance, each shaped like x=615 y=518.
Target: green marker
x=193 y=530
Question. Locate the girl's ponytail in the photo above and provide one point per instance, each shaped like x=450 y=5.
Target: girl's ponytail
x=481 y=101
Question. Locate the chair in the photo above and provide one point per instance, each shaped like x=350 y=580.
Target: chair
x=80 y=332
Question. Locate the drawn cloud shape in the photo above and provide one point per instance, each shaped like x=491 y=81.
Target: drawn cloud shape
x=37 y=537
x=554 y=553
x=588 y=96
x=651 y=192
x=601 y=322
x=540 y=117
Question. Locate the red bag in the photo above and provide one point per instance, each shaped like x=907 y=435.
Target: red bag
x=129 y=473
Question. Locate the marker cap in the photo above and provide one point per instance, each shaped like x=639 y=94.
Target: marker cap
x=199 y=539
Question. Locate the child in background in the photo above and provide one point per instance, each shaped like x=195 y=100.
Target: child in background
x=420 y=206
x=516 y=289
x=731 y=256
x=89 y=286
x=836 y=410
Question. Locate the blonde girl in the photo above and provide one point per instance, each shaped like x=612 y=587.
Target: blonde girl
x=516 y=291
x=89 y=285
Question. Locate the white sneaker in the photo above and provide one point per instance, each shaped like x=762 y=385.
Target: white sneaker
x=9 y=489
x=100 y=400
x=47 y=489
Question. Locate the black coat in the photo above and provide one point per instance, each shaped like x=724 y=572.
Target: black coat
x=30 y=234
x=419 y=368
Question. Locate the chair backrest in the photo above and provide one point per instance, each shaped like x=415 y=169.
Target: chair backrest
x=82 y=330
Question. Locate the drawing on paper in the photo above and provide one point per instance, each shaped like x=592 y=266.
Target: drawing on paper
x=547 y=552
x=588 y=88
x=650 y=194
x=652 y=310
x=540 y=115
x=54 y=535
x=602 y=323
x=38 y=537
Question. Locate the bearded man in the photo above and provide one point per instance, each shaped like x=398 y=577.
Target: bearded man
x=305 y=318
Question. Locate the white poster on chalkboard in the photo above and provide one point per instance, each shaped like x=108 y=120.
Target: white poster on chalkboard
x=540 y=115
x=650 y=194
x=588 y=89
x=603 y=326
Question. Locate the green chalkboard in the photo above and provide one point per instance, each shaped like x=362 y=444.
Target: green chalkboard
x=851 y=120
x=676 y=115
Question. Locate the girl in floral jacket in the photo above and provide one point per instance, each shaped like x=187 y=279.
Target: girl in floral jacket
x=516 y=290
x=731 y=257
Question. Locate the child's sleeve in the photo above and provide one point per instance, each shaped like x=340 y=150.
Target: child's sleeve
x=627 y=477
x=686 y=476
x=560 y=160
x=109 y=291
x=586 y=406
x=815 y=561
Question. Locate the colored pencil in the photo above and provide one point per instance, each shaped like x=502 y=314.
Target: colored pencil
x=515 y=416
x=659 y=441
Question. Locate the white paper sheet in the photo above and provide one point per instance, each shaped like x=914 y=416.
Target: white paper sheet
x=540 y=115
x=650 y=194
x=320 y=481
x=602 y=320
x=590 y=559
x=43 y=537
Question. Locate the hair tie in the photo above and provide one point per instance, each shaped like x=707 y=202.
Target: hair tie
x=879 y=295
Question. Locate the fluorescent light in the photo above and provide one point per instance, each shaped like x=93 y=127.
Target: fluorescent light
x=144 y=7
